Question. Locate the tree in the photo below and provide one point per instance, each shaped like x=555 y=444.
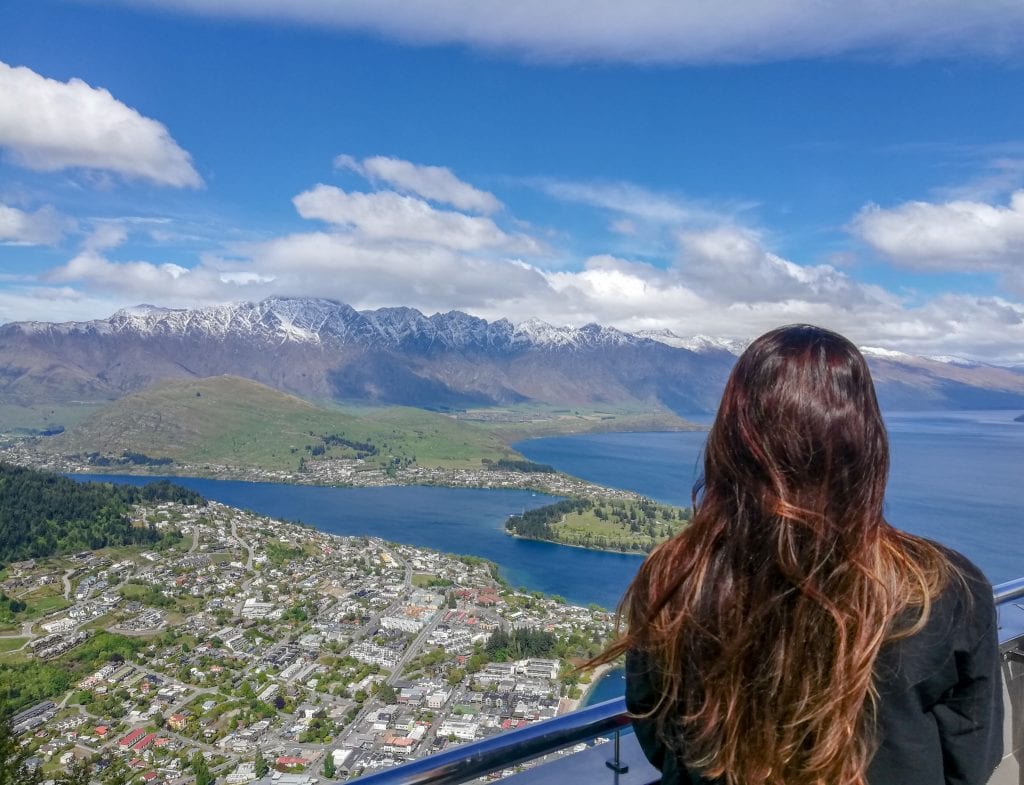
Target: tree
x=262 y=767
x=329 y=766
x=117 y=773
x=386 y=693
x=78 y=773
x=202 y=770
x=14 y=768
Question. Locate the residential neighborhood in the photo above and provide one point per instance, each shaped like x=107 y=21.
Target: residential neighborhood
x=255 y=650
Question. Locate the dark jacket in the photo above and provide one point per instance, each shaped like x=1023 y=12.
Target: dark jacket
x=940 y=709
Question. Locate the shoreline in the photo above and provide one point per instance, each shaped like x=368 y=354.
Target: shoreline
x=567 y=705
x=642 y=554
x=560 y=484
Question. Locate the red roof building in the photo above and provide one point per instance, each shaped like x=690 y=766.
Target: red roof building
x=132 y=737
x=144 y=742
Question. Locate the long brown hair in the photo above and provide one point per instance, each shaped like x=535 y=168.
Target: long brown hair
x=763 y=618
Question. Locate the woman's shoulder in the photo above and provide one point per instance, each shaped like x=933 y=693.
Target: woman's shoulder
x=965 y=597
x=965 y=575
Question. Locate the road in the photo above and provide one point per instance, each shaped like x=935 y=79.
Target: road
x=243 y=543
x=413 y=648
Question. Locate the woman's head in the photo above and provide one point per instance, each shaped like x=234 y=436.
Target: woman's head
x=799 y=436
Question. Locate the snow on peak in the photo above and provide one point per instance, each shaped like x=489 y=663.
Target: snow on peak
x=539 y=333
x=890 y=354
x=701 y=344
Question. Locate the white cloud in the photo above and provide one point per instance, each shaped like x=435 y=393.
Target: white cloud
x=385 y=215
x=431 y=277
x=955 y=236
x=668 y=31
x=49 y=125
x=436 y=183
x=385 y=249
x=1001 y=176
x=45 y=226
x=53 y=303
x=106 y=235
x=634 y=201
x=730 y=264
x=627 y=294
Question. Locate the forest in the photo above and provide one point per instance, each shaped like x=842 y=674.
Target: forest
x=518 y=644
x=45 y=514
x=512 y=465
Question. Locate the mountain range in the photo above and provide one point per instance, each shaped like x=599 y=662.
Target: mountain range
x=326 y=350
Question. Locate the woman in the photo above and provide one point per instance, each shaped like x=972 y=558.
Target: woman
x=790 y=635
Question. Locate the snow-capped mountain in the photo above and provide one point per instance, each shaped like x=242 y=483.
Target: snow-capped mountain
x=702 y=344
x=328 y=350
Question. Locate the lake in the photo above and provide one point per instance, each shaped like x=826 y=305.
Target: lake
x=455 y=520
x=957 y=477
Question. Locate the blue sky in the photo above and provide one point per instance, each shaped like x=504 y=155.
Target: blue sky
x=652 y=165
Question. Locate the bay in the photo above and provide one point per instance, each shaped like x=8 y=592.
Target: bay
x=956 y=477
x=455 y=520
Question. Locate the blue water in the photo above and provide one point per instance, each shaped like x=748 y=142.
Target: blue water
x=957 y=477
x=454 y=520
x=611 y=685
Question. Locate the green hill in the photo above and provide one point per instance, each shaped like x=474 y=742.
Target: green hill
x=236 y=422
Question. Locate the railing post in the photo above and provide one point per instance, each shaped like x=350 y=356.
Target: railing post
x=616 y=764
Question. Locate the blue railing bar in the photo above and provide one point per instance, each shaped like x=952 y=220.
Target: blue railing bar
x=1011 y=590
x=477 y=758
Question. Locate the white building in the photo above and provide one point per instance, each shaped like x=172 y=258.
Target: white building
x=461 y=729
x=403 y=623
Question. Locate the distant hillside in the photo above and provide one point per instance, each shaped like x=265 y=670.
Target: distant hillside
x=42 y=514
x=230 y=421
x=327 y=351
x=324 y=350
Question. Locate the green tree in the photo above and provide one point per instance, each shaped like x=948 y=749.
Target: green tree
x=117 y=773
x=262 y=767
x=78 y=773
x=201 y=770
x=386 y=693
x=14 y=768
x=329 y=766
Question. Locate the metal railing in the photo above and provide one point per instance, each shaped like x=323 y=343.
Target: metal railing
x=505 y=750
x=1011 y=590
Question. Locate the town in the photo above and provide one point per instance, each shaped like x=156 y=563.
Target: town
x=340 y=472
x=246 y=649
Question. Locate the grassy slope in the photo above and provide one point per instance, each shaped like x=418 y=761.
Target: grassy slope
x=233 y=421
x=26 y=420
x=513 y=424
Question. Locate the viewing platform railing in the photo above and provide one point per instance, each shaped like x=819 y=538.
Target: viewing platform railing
x=621 y=761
